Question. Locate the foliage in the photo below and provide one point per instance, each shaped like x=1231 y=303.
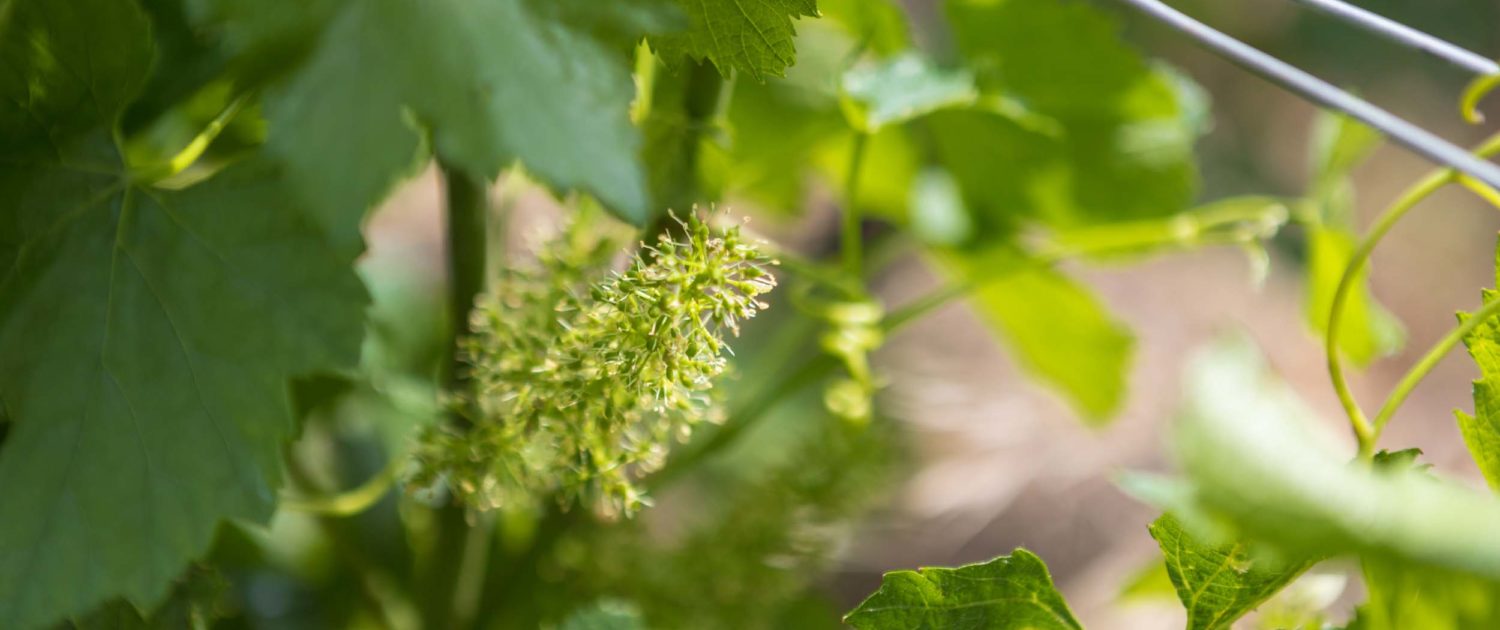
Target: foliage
x=1217 y=583
x=196 y=350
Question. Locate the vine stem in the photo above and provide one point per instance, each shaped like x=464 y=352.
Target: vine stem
x=1428 y=362
x=1190 y=229
x=1364 y=431
x=449 y=567
x=853 y=236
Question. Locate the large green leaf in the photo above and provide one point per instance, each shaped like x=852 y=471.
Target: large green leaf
x=1481 y=431
x=1076 y=127
x=752 y=36
x=1254 y=464
x=545 y=82
x=1055 y=327
x=1008 y=593
x=148 y=334
x=1217 y=583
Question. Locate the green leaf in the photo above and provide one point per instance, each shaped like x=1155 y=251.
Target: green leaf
x=1481 y=431
x=902 y=89
x=149 y=334
x=1218 y=583
x=545 y=82
x=605 y=615
x=878 y=24
x=1367 y=331
x=194 y=603
x=752 y=36
x=1008 y=593
x=1401 y=597
x=1057 y=329
x=1255 y=464
x=1076 y=127
x=1340 y=144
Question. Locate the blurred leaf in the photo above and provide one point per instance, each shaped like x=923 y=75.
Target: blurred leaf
x=1008 y=593
x=1057 y=330
x=1242 y=220
x=1255 y=464
x=1150 y=582
x=1401 y=597
x=1481 y=431
x=149 y=334
x=1339 y=144
x=901 y=89
x=386 y=74
x=878 y=24
x=1367 y=331
x=1122 y=144
x=194 y=603
x=752 y=37
x=605 y=615
x=938 y=216
x=1218 y=583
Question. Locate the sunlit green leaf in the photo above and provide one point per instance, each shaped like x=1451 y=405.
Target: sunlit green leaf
x=1055 y=327
x=1008 y=593
x=1218 y=582
x=1481 y=431
x=1367 y=331
x=1401 y=597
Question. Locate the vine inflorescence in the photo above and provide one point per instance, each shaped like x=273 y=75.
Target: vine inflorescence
x=581 y=378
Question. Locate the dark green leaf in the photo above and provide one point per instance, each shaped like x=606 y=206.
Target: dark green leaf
x=1218 y=583
x=545 y=82
x=149 y=334
x=752 y=36
x=1008 y=593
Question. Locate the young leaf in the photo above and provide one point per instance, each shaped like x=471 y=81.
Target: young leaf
x=1056 y=328
x=148 y=333
x=1008 y=593
x=1368 y=331
x=1217 y=583
x=1247 y=447
x=1481 y=431
x=750 y=36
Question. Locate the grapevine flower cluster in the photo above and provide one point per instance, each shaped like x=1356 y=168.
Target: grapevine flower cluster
x=579 y=378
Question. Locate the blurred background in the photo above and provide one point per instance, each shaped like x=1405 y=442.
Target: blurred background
x=976 y=459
